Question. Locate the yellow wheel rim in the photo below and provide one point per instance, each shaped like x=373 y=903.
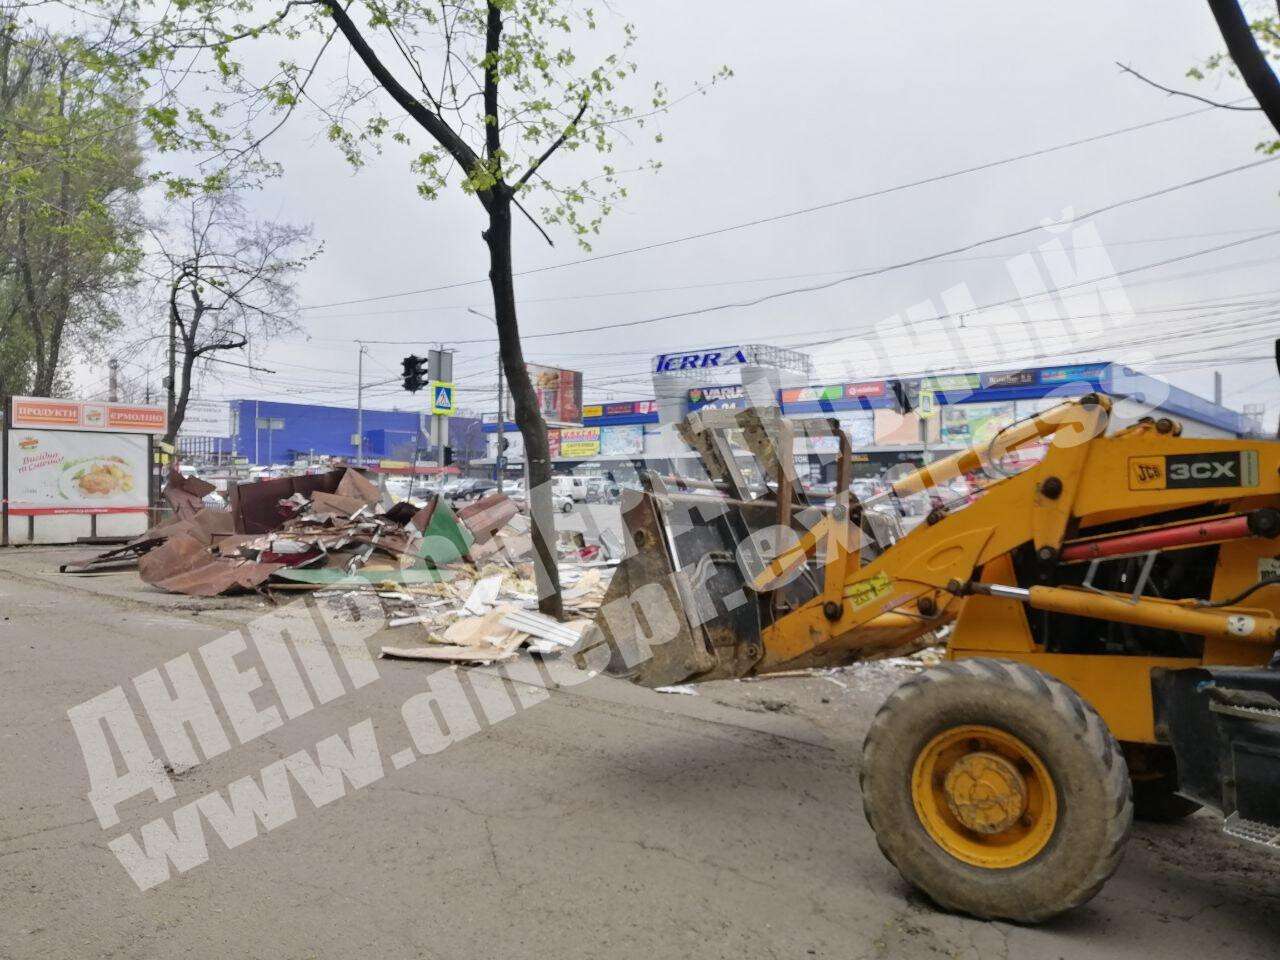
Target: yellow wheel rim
x=984 y=796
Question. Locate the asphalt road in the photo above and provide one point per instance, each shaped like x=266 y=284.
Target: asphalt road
x=595 y=821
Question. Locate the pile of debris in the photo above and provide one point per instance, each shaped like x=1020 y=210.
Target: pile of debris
x=488 y=618
x=464 y=580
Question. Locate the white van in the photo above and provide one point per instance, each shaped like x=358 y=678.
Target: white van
x=575 y=488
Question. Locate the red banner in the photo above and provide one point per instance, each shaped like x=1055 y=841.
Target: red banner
x=50 y=414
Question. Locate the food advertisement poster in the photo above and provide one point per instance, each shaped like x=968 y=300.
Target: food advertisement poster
x=559 y=393
x=60 y=471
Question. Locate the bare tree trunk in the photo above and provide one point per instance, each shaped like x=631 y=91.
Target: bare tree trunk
x=528 y=417
x=1249 y=59
x=183 y=394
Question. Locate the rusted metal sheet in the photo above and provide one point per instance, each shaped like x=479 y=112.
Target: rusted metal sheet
x=186 y=494
x=184 y=564
x=488 y=515
x=255 y=507
x=356 y=485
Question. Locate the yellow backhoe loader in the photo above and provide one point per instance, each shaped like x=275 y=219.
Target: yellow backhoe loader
x=1111 y=618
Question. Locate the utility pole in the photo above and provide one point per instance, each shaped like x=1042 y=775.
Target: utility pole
x=171 y=381
x=439 y=368
x=360 y=406
x=113 y=388
x=500 y=461
x=499 y=458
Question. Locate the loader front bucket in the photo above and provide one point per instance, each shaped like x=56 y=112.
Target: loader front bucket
x=678 y=608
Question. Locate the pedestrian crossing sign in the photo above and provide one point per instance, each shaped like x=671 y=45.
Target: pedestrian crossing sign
x=442 y=398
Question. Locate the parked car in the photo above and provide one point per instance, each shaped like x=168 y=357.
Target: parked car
x=559 y=502
x=477 y=489
x=600 y=490
x=575 y=488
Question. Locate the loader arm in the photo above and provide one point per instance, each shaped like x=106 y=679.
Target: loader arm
x=743 y=572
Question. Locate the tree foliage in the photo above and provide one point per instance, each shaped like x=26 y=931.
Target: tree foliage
x=219 y=88
x=70 y=173
x=482 y=94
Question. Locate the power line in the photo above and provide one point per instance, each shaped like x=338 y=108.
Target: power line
x=880 y=271
x=884 y=191
x=644 y=291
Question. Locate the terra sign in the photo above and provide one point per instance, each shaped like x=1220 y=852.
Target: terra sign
x=732 y=356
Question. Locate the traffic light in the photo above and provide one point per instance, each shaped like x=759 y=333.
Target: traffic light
x=447 y=457
x=415 y=373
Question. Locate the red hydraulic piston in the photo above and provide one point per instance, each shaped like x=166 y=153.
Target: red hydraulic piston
x=1185 y=534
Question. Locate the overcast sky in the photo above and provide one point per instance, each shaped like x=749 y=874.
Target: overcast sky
x=829 y=100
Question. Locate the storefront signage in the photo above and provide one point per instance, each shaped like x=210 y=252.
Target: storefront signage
x=712 y=358
x=717 y=398
x=1091 y=371
x=48 y=414
x=818 y=394
x=1010 y=378
x=950 y=383
x=872 y=388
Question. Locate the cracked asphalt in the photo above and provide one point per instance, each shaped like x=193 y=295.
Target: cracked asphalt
x=602 y=821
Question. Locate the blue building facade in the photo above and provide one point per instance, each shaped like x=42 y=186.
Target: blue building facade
x=1028 y=383
x=269 y=431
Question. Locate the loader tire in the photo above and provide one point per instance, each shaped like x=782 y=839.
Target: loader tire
x=996 y=790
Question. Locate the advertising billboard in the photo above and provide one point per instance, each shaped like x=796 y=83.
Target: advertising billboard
x=969 y=424
x=623 y=441
x=577 y=442
x=60 y=471
x=206 y=418
x=559 y=393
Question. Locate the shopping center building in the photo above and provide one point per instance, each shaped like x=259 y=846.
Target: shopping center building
x=881 y=417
